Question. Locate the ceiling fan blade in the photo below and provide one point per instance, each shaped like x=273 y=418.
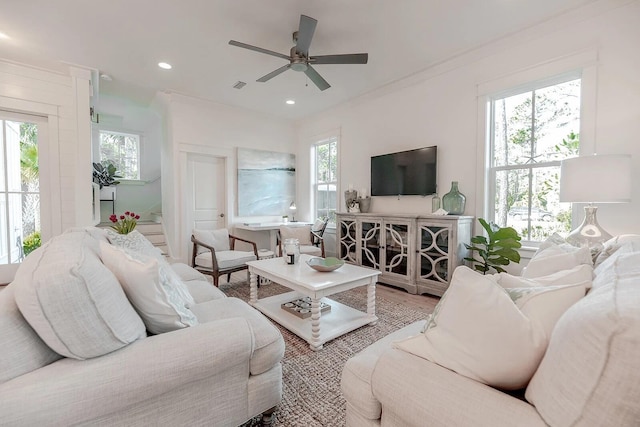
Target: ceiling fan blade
x=258 y=49
x=349 y=58
x=316 y=78
x=273 y=73
x=305 y=33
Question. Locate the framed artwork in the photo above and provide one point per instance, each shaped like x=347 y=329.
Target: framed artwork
x=266 y=182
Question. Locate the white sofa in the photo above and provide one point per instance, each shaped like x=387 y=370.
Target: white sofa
x=589 y=375
x=222 y=371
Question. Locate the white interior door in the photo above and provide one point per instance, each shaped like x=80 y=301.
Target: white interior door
x=206 y=192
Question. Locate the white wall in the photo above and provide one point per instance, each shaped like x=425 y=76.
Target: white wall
x=197 y=126
x=440 y=107
x=122 y=115
x=63 y=99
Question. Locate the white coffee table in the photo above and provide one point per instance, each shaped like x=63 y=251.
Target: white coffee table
x=306 y=282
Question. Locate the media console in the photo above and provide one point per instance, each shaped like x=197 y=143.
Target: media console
x=415 y=252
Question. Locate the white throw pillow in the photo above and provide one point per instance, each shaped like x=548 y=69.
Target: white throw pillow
x=615 y=243
x=73 y=301
x=581 y=274
x=318 y=224
x=135 y=241
x=622 y=263
x=151 y=288
x=483 y=332
x=218 y=239
x=551 y=259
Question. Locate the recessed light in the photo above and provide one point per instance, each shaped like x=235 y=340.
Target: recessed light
x=290 y=101
x=164 y=65
x=4 y=36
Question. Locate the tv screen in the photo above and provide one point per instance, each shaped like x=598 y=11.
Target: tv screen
x=405 y=173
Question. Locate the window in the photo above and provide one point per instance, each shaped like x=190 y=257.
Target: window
x=530 y=131
x=325 y=161
x=123 y=150
x=20 y=228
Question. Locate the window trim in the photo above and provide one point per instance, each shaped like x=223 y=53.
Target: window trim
x=126 y=132
x=325 y=140
x=585 y=63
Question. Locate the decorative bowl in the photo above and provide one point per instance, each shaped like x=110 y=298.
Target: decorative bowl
x=325 y=264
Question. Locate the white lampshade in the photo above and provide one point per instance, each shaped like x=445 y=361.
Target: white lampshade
x=596 y=179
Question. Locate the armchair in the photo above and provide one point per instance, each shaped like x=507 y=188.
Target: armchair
x=214 y=253
x=305 y=236
x=317 y=231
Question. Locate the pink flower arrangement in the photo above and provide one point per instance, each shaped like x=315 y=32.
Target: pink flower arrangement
x=126 y=223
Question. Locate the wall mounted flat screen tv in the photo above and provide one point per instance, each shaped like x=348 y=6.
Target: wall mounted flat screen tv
x=407 y=173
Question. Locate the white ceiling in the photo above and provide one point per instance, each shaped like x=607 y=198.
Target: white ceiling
x=127 y=38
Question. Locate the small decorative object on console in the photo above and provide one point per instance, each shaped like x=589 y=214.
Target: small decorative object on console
x=454 y=201
x=350 y=196
x=126 y=223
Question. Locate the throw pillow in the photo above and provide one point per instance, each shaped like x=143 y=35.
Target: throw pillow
x=581 y=274
x=218 y=239
x=72 y=301
x=135 y=241
x=589 y=374
x=556 y=257
x=615 y=243
x=150 y=287
x=622 y=263
x=489 y=334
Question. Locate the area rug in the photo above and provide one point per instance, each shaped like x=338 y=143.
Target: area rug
x=311 y=379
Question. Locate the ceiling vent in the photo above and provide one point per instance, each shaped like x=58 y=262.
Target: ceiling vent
x=239 y=85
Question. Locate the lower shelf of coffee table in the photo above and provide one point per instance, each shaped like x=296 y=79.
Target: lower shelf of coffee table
x=334 y=323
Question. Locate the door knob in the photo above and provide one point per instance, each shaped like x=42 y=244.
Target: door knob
x=221 y=215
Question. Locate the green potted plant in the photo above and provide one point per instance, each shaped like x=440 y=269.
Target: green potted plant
x=105 y=174
x=496 y=250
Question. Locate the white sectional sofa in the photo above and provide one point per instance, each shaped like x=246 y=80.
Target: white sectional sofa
x=76 y=352
x=589 y=374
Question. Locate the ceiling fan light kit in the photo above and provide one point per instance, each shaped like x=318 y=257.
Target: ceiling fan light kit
x=299 y=59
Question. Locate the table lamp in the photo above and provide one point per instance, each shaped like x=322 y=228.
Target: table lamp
x=594 y=179
x=292 y=208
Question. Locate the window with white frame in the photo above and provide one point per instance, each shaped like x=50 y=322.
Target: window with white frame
x=531 y=130
x=325 y=182
x=123 y=150
x=20 y=214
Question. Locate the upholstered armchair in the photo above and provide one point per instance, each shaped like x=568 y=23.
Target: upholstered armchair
x=214 y=253
x=305 y=236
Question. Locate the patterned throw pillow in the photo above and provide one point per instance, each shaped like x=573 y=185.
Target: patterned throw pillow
x=489 y=334
x=134 y=241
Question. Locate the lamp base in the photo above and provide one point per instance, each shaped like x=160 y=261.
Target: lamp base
x=589 y=234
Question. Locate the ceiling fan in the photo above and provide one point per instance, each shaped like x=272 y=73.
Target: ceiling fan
x=299 y=59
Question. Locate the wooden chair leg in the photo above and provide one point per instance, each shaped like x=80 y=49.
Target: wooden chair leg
x=228 y=277
x=215 y=281
x=268 y=418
